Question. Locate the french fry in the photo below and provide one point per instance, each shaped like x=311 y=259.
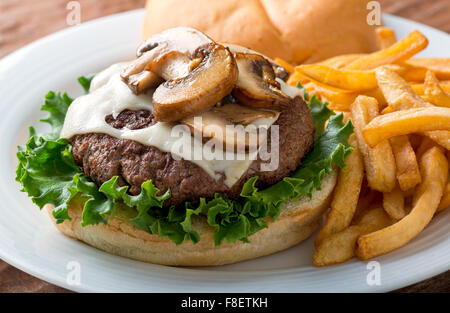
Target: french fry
x=445 y=201
x=342 y=99
x=439 y=66
x=397 y=92
x=340 y=247
x=408 y=174
x=287 y=66
x=343 y=79
x=443 y=162
x=378 y=160
x=397 y=53
x=337 y=78
x=346 y=194
x=424 y=146
x=413 y=73
x=400 y=95
x=341 y=61
x=338 y=100
x=385 y=37
x=420 y=88
x=377 y=94
x=394 y=203
x=387 y=110
x=441 y=137
x=406 y=122
x=434 y=92
x=434 y=171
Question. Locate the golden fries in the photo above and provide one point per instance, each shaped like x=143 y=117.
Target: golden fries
x=434 y=93
x=398 y=52
x=378 y=160
x=396 y=178
x=341 y=60
x=337 y=78
x=385 y=37
x=400 y=96
x=408 y=174
x=340 y=247
x=441 y=137
x=439 y=66
x=420 y=88
x=346 y=194
x=434 y=170
x=424 y=146
x=341 y=100
x=406 y=122
x=413 y=74
x=397 y=92
x=342 y=79
x=394 y=203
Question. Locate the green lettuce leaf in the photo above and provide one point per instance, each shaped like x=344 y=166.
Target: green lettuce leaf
x=46 y=170
x=85 y=82
x=56 y=105
x=49 y=174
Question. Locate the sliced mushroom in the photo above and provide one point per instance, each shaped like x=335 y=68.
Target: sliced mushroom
x=280 y=71
x=256 y=85
x=198 y=72
x=214 y=124
x=181 y=42
x=211 y=80
x=183 y=39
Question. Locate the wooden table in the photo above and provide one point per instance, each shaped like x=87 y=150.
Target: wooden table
x=23 y=21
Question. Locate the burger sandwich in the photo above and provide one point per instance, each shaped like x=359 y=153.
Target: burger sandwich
x=195 y=153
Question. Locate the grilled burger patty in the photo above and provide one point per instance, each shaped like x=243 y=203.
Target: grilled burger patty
x=101 y=157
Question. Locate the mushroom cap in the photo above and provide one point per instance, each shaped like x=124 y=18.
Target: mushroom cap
x=202 y=88
x=256 y=85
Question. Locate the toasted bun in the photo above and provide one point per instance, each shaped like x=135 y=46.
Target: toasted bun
x=297 y=221
x=295 y=30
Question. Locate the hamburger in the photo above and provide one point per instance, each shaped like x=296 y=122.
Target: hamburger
x=110 y=172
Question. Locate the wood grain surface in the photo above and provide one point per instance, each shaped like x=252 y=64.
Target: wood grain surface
x=23 y=21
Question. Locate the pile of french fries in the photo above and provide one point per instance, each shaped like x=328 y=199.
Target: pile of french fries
x=397 y=177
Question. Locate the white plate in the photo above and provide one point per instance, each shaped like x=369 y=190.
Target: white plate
x=29 y=241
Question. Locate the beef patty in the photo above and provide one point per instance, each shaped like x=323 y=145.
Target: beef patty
x=101 y=157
